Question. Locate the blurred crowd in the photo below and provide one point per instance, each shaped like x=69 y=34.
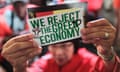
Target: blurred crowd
x=13 y=18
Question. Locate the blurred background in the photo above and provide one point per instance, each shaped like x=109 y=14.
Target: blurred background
x=13 y=19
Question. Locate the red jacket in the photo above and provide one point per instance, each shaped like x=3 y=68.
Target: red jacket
x=116 y=4
x=83 y=61
x=2 y=10
x=4 y=28
x=93 y=5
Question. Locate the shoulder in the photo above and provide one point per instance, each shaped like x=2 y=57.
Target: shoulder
x=90 y=60
x=85 y=53
x=40 y=64
x=87 y=56
x=8 y=13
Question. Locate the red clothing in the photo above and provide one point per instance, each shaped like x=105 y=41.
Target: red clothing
x=116 y=4
x=2 y=10
x=83 y=61
x=4 y=28
x=93 y=5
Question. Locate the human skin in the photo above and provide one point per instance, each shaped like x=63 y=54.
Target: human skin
x=22 y=48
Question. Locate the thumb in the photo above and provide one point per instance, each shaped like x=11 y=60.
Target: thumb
x=35 y=53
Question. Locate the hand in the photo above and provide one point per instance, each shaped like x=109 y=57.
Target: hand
x=101 y=33
x=19 y=49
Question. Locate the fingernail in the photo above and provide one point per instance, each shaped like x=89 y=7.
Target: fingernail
x=83 y=37
x=30 y=36
x=89 y=24
x=83 y=31
x=97 y=39
x=84 y=41
x=35 y=44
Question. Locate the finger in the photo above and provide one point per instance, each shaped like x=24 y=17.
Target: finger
x=13 y=58
x=20 y=38
x=19 y=61
x=19 y=46
x=85 y=31
x=23 y=37
x=35 y=53
x=96 y=35
x=29 y=54
x=88 y=41
x=21 y=53
x=105 y=43
x=99 y=22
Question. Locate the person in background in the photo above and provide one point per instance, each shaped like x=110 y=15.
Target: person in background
x=66 y=56
x=16 y=18
x=13 y=19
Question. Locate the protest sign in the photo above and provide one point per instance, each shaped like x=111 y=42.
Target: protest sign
x=54 y=25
